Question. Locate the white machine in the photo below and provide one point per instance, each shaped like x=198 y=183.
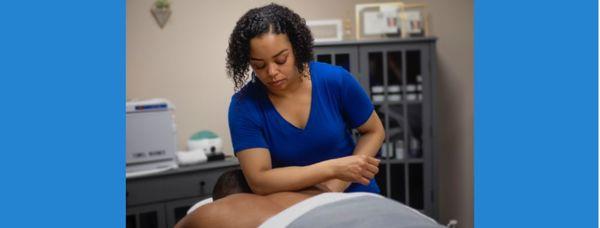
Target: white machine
x=151 y=136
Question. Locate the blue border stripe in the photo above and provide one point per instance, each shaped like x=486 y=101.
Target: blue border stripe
x=62 y=83
x=536 y=110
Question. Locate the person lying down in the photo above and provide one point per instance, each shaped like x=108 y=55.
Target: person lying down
x=235 y=205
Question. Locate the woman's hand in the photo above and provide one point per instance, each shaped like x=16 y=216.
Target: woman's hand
x=355 y=168
x=336 y=185
x=323 y=187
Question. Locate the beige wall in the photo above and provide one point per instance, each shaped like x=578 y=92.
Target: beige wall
x=184 y=62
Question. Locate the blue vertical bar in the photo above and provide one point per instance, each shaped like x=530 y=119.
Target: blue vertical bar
x=536 y=113
x=62 y=84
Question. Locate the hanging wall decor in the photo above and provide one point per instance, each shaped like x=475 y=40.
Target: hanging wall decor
x=161 y=11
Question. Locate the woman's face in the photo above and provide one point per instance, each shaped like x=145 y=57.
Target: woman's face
x=272 y=59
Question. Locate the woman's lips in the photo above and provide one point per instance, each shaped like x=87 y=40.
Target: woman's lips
x=277 y=83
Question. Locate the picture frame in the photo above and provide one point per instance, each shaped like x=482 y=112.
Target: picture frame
x=326 y=30
x=412 y=23
x=392 y=19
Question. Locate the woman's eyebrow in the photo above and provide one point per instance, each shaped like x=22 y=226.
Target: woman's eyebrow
x=279 y=53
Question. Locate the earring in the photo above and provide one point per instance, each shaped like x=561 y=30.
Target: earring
x=306 y=71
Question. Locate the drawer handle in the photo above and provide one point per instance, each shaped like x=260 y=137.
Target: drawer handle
x=202 y=184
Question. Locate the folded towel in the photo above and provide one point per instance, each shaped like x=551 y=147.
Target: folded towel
x=191 y=157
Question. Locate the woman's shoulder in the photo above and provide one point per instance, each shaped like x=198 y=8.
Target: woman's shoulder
x=329 y=74
x=325 y=68
x=248 y=96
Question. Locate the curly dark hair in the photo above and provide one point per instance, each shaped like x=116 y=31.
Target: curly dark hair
x=272 y=18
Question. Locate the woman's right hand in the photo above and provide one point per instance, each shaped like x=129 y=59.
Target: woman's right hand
x=355 y=168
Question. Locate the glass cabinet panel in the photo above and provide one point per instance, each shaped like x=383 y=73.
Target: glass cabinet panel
x=414 y=78
x=151 y=216
x=415 y=130
x=415 y=181
x=414 y=97
x=342 y=56
x=130 y=221
x=396 y=130
x=376 y=77
x=324 y=58
x=395 y=79
x=149 y=219
x=398 y=185
x=343 y=60
x=381 y=180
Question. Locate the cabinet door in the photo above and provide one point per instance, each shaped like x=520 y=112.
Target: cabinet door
x=343 y=56
x=176 y=210
x=150 y=216
x=397 y=80
x=164 y=188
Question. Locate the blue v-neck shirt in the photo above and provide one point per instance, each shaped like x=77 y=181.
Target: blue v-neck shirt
x=338 y=104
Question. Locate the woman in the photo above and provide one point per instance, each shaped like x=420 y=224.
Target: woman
x=291 y=124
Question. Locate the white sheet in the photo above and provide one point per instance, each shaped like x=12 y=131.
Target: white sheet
x=287 y=216
x=200 y=204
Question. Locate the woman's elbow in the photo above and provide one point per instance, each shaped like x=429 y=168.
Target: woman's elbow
x=258 y=188
x=381 y=134
x=260 y=191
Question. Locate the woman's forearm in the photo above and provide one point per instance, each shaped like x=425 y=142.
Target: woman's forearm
x=355 y=168
x=368 y=144
x=291 y=178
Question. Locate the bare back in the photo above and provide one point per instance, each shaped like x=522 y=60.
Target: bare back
x=243 y=209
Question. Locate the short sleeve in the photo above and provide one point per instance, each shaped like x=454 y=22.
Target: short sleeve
x=355 y=103
x=245 y=130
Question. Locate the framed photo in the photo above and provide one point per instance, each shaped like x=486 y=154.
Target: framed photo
x=411 y=22
x=388 y=19
x=326 y=30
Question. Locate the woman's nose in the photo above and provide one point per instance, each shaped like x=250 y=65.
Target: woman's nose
x=272 y=70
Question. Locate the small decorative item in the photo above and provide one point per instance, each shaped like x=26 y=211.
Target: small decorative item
x=411 y=23
x=326 y=30
x=161 y=11
x=390 y=19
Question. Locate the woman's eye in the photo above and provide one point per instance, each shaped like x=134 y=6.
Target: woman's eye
x=259 y=66
x=281 y=60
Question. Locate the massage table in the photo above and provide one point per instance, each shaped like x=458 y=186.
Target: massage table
x=346 y=210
